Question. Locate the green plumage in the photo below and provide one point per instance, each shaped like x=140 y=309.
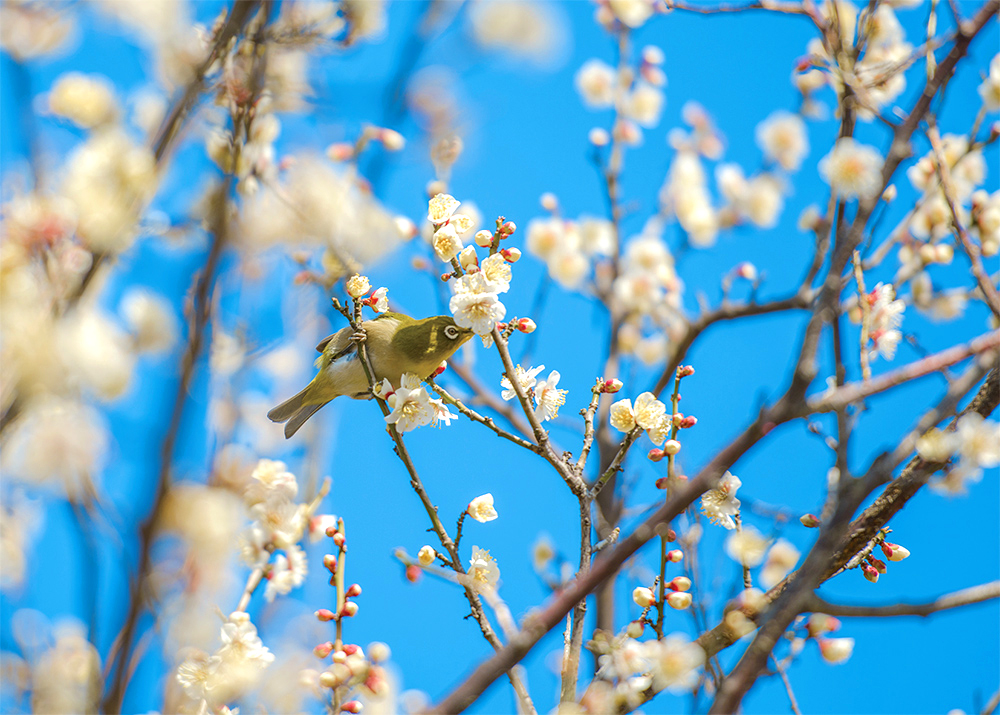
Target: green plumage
x=396 y=344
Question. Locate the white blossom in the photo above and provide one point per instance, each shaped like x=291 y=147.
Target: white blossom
x=481 y=509
x=526 y=378
x=853 y=169
x=548 y=398
x=720 y=504
x=782 y=138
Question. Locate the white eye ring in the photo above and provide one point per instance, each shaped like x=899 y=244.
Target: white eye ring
x=451 y=332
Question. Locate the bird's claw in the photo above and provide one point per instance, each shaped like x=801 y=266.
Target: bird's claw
x=358 y=337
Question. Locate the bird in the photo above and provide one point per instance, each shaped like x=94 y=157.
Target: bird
x=396 y=344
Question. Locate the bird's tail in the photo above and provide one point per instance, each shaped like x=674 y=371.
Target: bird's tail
x=293 y=412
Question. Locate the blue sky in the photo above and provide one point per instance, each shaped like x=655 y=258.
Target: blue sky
x=526 y=133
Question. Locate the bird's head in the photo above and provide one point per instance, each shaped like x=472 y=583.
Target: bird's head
x=431 y=340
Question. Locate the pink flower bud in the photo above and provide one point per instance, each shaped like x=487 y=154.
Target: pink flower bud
x=634 y=629
x=836 y=650
x=679 y=600
x=323 y=649
x=685 y=371
x=351 y=649
x=870 y=573
x=391 y=139
x=350 y=608
x=445 y=277
x=526 y=325
x=330 y=563
x=341 y=151
x=655 y=455
x=413 y=573
x=611 y=385
x=325 y=614
x=339 y=539
x=440 y=368
x=483 y=238
x=810 y=521
x=662 y=482
x=331 y=531
x=511 y=255
x=598 y=136
x=688 y=422
x=680 y=583
x=549 y=202
x=507 y=229
x=671 y=447
x=351 y=706
x=670 y=536
x=675 y=556
x=353 y=590
x=747 y=271
x=878 y=564
x=894 y=552
x=820 y=623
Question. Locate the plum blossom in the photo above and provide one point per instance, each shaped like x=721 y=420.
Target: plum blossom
x=720 y=505
x=548 y=398
x=526 y=378
x=481 y=509
x=852 y=169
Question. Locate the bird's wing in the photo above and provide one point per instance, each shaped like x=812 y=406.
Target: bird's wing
x=336 y=345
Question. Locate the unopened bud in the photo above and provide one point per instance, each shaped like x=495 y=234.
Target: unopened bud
x=511 y=255
x=325 y=614
x=353 y=590
x=328 y=679
x=323 y=649
x=680 y=583
x=378 y=652
x=339 y=656
x=426 y=555
x=445 y=277
x=688 y=422
x=820 y=623
x=927 y=253
x=894 y=552
x=599 y=137
x=679 y=600
x=391 y=139
x=330 y=563
x=747 y=271
x=351 y=648
x=671 y=447
x=413 y=573
x=611 y=385
x=676 y=418
x=662 y=482
x=685 y=370
x=549 y=202
x=507 y=229
x=526 y=325
x=350 y=608
x=878 y=564
x=810 y=521
x=944 y=253
x=331 y=531
x=634 y=629
x=440 y=368
x=870 y=573
x=675 y=556
x=890 y=193
x=483 y=238
x=643 y=597
x=655 y=455
x=341 y=151
x=352 y=706
x=339 y=539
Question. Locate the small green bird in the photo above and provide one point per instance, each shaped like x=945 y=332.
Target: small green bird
x=396 y=344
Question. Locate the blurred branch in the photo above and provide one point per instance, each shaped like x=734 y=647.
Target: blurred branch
x=965 y=597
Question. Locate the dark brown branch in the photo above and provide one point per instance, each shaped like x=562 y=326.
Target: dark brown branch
x=965 y=597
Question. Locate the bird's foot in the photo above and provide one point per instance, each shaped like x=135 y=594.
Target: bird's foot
x=358 y=337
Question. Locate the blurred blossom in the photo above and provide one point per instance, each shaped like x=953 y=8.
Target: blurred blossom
x=596 y=80
x=524 y=28
x=781 y=559
x=989 y=90
x=782 y=138
x=366 y=19
x=853 y=169
x=483 y=572
x=633 y=13
x=208 y=519
x=21 y=519
x=746 y=546
x=109 y=178
x=151 y=319
x=99 y=353
x=685 y=195
x=59 y=441
x=30 y=30
x=675 y=660
x=644 y=103
x=67 y=676
x=315 y=204
x=86 y=100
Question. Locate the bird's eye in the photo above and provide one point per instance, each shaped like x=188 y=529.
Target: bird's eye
x=451 y=332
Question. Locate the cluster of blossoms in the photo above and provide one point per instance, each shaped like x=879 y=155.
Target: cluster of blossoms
x=411 y=404
x=547 y=398
x=279 y=524
x=570 y=249
x=211 y=681
x=872 y=567
x=358 y=287
x=976 y=442
x=627 y=668
x=677 y=596
x=875 y=76
x=884 y=316
x=649 y=414
x=636 y=94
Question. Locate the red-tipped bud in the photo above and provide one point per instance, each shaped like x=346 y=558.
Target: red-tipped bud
x=323 y=649
x=341 y=151
x=655 y=455
x=634 y=629
x=676 y=418
x=511 y=255
x=643 y=597
x=351 y=649
x=685 y=371
x=879 y=564
x=810 y=521
x=870 y=573
x=803 y=64
x=526 y=325
x=679 y=600
x=611 y=385
x=330 y=563
x=679 y=583
x=413 y=573
x=440 y=368
x=894 y=552
x=662 y=482
x=352 y=706
x=325 y=614
x=671 y=447
x=483 y=238
x=746 y=270
x=391 y=139
x=507 y=229
x=688 y=422
x=670 y=535
x=675 y=556
x=331 y=531
x=339 y=539
x=354 y=590
x=445 y=277
x=350 y=608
